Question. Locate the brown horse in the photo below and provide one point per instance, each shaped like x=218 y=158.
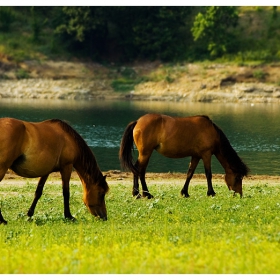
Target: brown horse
x=195 y=136
x=38 y=149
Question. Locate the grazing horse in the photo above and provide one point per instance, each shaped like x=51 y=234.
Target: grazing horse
x=195 y=136
x=38 y=149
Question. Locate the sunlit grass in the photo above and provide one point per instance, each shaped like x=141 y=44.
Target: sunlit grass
x=167 y=234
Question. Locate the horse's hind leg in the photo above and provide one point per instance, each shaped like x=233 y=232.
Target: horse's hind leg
x=37 y=195
x=135 y=190
x=145 y=191
x=141 y=165
x=142 y=172
x=193 y=164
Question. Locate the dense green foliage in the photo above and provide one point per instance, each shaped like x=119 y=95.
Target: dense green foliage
x=213 y=27
x=6 y=18
x=167 y=234
x=133 y=32
x=124 y=34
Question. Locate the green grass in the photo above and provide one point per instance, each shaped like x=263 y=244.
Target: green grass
x=124 y=79
x=167 y=234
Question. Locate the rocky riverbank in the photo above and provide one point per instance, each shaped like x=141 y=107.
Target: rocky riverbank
x=190 y=82
x=46 y=88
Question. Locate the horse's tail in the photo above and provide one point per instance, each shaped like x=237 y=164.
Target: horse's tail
x=235 y=162
x=125 y=153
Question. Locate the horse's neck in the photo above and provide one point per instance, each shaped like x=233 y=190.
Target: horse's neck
x=88 y=175
x=224 y=163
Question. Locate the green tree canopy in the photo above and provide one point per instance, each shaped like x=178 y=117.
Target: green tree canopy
x=137 y=32
x=213 y=27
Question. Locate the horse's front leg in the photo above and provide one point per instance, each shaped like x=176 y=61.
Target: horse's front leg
x=141 y=167
x=208 y=173
x=2 y=174
x=65 y=176
x=37 y=195
x=193 y=164
x=210 y=191
x=142 y=163
x=3 y=171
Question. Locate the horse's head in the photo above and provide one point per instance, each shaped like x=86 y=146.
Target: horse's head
x=234 y=182
x=94 y=198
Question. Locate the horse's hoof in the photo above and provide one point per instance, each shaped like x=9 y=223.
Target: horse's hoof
x=211 y=194
x=235 y=194
x=3 y=222
x=137 y=196
x=30 y=213
x=185 y=194
x=148 y=195
x=71 y=218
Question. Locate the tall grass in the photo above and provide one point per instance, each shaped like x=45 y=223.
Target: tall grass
x=167 y=234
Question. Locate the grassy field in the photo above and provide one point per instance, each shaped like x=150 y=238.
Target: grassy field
x=167 y=234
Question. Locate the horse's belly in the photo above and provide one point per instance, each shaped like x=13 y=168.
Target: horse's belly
x=29 y=172
x=28 y=168
x=173 y=151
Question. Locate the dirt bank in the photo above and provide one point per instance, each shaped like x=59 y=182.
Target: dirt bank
x=184 y=82
x=116 y=176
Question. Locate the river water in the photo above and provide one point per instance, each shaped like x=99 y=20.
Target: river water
x=252 y=129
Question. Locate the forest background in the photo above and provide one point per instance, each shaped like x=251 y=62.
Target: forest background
x=161 y=40
x=123 y=34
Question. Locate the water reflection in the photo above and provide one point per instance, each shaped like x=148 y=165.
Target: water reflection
x=251 y=128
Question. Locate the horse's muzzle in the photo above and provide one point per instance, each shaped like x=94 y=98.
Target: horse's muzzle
x=240 y=193
x=97 y=212
x=103 y=217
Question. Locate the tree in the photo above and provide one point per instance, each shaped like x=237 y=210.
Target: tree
x=212 y=28
x=138 y=32
x=155 y=32
x=83 y=29
x=6 y=18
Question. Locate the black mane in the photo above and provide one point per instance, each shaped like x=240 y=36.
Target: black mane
x=86 y=156
x=235 y=162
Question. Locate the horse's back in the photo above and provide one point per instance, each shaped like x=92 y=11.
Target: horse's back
x=34 y=149
x=175 y=136
x=10 y=125
x=55 y=144
x=12 y=135
x=176 y=126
